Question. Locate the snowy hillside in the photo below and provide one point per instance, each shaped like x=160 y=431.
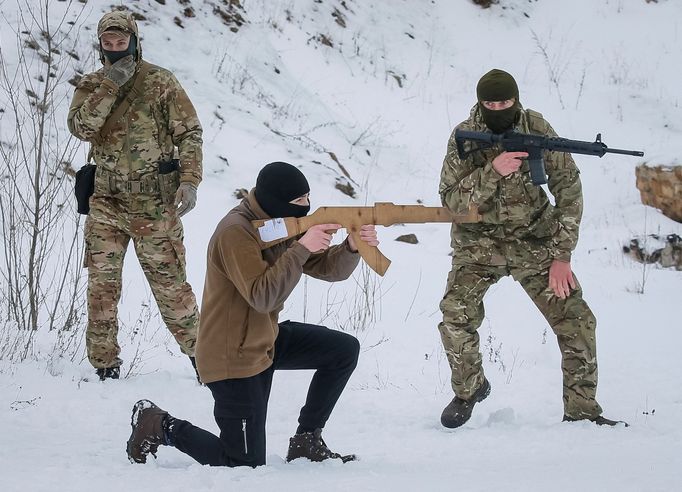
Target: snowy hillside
x=363 y=95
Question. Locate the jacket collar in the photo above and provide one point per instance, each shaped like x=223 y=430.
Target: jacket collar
x=252 y=207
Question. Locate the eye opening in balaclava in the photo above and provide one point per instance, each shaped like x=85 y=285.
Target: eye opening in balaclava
x=277 y=184
x=498 y=85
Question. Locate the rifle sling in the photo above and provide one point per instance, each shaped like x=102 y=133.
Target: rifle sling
x=133 y=93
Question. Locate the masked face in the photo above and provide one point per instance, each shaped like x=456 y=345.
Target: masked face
x=117 y=45
x=499 y=116
x=279 y=208
x=498 y=100
x=282 y=191
x=303 y=202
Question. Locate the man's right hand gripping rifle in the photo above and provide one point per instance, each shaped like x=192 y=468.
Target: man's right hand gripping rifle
x=318 y=238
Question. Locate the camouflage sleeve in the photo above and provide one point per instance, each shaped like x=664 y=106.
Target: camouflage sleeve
x=564 y=184
x=462 y=183
x=186 y=133
x=91 y=104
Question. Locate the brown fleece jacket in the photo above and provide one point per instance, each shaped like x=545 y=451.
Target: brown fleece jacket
x=245 y=289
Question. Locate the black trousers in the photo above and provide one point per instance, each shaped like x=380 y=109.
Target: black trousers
x=241 y=405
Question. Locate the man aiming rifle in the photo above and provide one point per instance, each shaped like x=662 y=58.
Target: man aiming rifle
x=521 y=234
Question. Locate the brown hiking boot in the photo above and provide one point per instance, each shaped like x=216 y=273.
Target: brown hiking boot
x=311 y=445
x=597 y=420
x=458 y=411
x=147 y=434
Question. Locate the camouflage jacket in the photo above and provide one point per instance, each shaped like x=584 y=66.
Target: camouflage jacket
x=512 y=207
x=157 y=123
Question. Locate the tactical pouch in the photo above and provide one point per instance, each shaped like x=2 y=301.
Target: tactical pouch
x=85 y=187
x=169 y=180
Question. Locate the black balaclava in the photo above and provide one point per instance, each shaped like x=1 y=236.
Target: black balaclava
x=498 y=85
x=277 y=184
x=114 y=56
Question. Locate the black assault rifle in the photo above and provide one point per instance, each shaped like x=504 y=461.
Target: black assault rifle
x=512 y=141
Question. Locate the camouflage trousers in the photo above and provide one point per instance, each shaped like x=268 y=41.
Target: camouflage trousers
x=157 y=236
x=571 y=320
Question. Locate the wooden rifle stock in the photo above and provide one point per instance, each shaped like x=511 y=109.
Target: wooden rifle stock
x=275 y=231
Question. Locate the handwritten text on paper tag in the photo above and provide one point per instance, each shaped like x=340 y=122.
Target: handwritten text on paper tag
x=272 y=230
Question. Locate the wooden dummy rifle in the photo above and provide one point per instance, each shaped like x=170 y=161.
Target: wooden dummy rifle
x=275 y=231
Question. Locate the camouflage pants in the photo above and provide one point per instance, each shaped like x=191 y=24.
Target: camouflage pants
x=157 y=236
x=571 y=320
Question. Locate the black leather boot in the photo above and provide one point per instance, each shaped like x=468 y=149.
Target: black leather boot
x=108 y=373
x=598 y=420
x=458 y=411
x=311 y=445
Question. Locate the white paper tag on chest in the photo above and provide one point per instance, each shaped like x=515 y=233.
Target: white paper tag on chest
x=272 y=230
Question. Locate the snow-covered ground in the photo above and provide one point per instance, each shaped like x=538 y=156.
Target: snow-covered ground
x=383 y=100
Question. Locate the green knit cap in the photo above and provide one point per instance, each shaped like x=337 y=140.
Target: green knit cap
x=497 y=85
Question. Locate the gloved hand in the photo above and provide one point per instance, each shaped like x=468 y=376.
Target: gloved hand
x=185 y=198
x=121 y=71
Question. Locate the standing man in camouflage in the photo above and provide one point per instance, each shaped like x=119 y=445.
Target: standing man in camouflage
x=148 y=171
x=523 y=235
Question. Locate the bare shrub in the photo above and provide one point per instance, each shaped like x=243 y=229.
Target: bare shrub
x=39 y=240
